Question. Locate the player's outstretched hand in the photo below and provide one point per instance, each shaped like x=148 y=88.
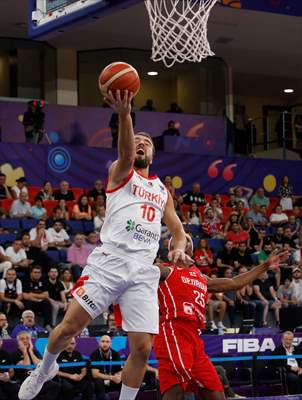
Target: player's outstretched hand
x=120 y=103
x=179 y=257
x=276 y=258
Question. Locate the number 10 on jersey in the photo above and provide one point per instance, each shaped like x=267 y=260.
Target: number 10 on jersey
x=148 y=212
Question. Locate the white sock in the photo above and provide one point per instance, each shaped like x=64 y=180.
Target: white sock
x=128 y=393
x=48 y=361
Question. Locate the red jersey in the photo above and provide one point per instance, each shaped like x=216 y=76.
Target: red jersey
x=184 y=295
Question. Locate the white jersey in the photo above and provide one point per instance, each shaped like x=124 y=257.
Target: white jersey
x=133 y=216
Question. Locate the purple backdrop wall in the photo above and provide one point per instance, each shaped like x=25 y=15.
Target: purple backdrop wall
x=82 y=165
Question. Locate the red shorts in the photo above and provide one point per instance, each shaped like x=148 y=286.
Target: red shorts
x=182 y=359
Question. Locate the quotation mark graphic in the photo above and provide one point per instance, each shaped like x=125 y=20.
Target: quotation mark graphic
x=228 y=173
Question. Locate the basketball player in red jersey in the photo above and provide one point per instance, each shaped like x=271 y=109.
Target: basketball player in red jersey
x=122 y=268
x=182 y=362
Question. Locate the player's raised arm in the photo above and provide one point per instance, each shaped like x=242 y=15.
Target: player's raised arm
x=122 y=167
x=225 y=284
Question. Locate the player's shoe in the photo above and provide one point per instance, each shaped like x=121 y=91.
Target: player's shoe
x=213 y=325
x=32 y=385
x=220 y=325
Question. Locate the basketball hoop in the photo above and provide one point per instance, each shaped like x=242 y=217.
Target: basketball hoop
x=179 y=30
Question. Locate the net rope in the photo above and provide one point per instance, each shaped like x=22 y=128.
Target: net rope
x=179 y=30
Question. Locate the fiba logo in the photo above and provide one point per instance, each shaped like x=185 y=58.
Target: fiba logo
x=59 y=160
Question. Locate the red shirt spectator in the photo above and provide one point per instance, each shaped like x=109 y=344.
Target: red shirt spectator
x=237 y=235
x=203 y=257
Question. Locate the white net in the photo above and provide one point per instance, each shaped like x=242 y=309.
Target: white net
x=179 y=30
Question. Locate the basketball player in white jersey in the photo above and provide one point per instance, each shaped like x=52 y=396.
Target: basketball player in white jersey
x=121 y=270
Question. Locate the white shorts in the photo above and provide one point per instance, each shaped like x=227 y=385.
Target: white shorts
x=109 y=278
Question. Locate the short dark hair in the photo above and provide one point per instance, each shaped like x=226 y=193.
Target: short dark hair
x=35 y=267
x=2 y=174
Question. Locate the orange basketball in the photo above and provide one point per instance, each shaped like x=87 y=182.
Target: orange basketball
x=119 y=76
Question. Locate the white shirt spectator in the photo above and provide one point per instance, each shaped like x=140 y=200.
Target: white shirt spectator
x=4 y=265
x=297 y=290
x=18 y=191
x=4 y=285
x=44 y=240
x=15 y=257
x=58 y=237
x=20 y=209
x=297 y=256
x=278 y=217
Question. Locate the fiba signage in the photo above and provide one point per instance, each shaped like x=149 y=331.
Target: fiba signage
x=253 y=345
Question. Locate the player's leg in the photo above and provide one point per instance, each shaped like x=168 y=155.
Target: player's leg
x=210 y=395
x=175 y=393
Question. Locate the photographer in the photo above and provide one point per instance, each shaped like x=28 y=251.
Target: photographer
x=33 y=122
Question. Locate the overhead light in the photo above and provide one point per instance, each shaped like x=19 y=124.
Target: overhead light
x=152 y=73
x=288 y=90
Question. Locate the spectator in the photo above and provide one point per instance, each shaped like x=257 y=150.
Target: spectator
x=36 y=296
x=288 y=237
x=82 y=210
x=46 y=192
x=230 y=298
x=73 y=379
x=285 y=294
x=3 y=327
x=297 y=213
x=98 y=190
x=241 y=211
x=286 y=194
x=216 y=304
x=99 y=202
x=56 y=294
x=77 y=255
x=169 y=185
x=212 y=226
x=237 y=235
x=259 y=198
x=60 y=213
x=293 y=371
x=106 y=378
x=148 y=106
x=27 y=324
x=232 y=200
x=293 y=225
x=265 y=293
x=225 y=257
x=11 y=293
x=39 y=236
x=278 y=218
x=243 y=194
x=255 y=214
x=174 y=108
x=297 y=254
x=92 y=241
x=296 y=285
x=99 y=218
x=278 y=239
x=194 y=196
x=58 y=237
x=8 y=388
x=5 y=262
x=233 y=219
x=265 y=253
x=193 y=216
x=64 y=192
x=4 y=190
x=215 y=207
x=19 y=188
x=38 y=211
x=18 y=256
x=67 y=282
x=20 y=208
x=242 y=258
x=171 y=130
x=27 y=355
x=203 y=257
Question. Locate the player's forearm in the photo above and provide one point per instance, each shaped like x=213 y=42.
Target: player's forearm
x=244 y=279
x=126 y=146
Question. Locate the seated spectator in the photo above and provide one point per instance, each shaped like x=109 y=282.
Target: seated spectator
x=39 y=236
x=237 y=235
x=278 y=238
x=297 y=254
x=232 y=200
x=293 y=225
x=73 y=379
x=11 y=294
x=257 y=242
x=27 y=324
x=285 y=294
x=148 y=106
x=68 y=284
x=28 y=355
x=215 y=207
x=99 y=218
x=64 y=192
x=169 y=186
x=194 y=196
x=38 y=211
x=265 y=253
x=60 y=213
x=203 y=257
x=225 y=258
x=243 y=194
x=77 y=255
x=289 y=237
x=4 y=327
x=260 y=199
x=212 y=227
x=100 y=201
x=241 y=211
x=58 y=237
x=296 y=286
x=242 y=257
x=35 y=295
x=98 y=190
x=20 y=187
x=5 y=262
x=216 y=304
x=171 y=130
x=293 y=371
x=106 y=378
x=264 y=292
x=4 y=189
x=82 y=210
x=8 y=387
x=278 y=218
x=92 y=241
x=193 y=216
x=20 y=208
x=56 y=294
x=286 y=191
x=174 y=108
x=230 y=298
x=297 y=213
x=46 y=193
x=233 y=219
x=255 y=214
x=18 y=256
